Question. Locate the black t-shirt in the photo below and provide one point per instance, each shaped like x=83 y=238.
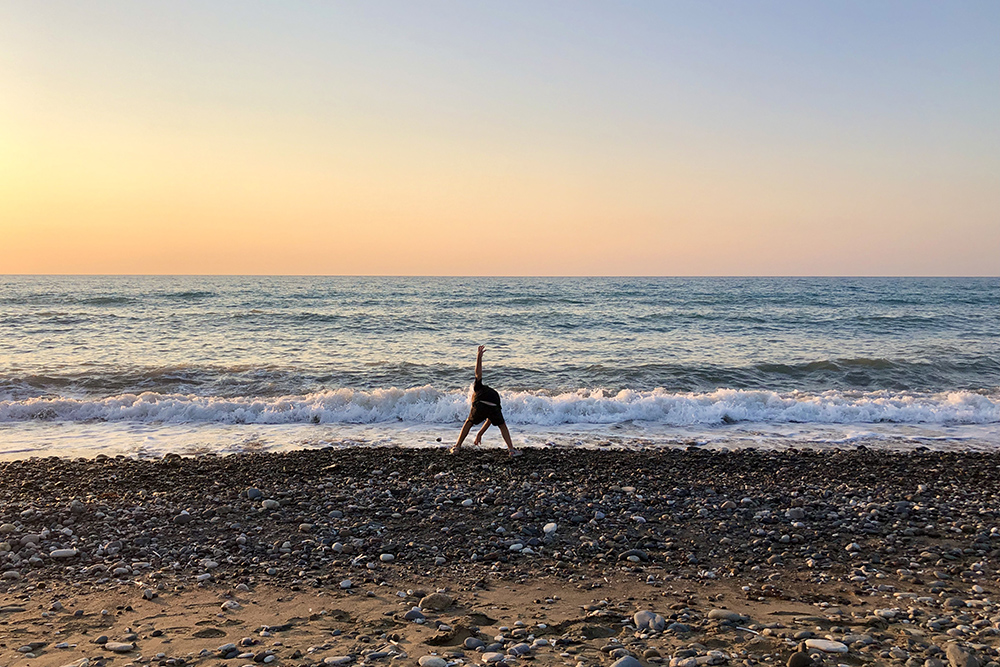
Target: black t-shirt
x=482 y=393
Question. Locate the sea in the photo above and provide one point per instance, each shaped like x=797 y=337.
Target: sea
x=150 y=365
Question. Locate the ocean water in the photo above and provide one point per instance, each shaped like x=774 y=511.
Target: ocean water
x=143 y=366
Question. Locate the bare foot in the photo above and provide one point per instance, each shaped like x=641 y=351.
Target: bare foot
x=455 y=449
x=514 y=452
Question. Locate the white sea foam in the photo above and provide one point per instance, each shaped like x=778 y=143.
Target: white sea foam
x=429 y=405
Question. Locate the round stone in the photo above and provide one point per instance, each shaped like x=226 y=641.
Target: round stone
x=436 y=602
x=63 y=553
x=826 y=645
x=799 y=659
x=626 y=661
x=726 y=615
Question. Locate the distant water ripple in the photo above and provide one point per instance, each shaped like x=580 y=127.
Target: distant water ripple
x=700 y=354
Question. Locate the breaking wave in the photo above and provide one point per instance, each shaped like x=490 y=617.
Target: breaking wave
x=429 y=405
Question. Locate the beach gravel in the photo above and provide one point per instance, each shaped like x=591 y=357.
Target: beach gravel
x=870 y=556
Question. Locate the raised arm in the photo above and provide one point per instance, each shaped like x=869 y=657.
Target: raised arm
x=479 y=362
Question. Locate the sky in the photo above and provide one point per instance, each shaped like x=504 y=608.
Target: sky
x=500 y=138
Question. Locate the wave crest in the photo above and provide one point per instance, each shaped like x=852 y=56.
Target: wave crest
x=430 y=405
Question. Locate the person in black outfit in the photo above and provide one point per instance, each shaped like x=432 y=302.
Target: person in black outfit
x=485 y=409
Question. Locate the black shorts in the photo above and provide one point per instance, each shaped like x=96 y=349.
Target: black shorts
x=481 y=412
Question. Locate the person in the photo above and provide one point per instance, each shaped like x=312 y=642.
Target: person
x=486 y=410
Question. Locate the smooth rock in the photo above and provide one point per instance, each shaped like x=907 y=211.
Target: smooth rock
x=550 y=528
x=959 y=657
x=627 y=661
x=436 y=602
x=826 y=645
x=82 y=662
x=648 y=620
x=338 y=660
x=120 y=647
x=799 y=659
x=726 y=615
x=270 y=504
x=432 y=661
x=520 y=649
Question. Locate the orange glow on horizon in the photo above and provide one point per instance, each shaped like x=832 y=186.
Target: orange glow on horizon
x=198 y=155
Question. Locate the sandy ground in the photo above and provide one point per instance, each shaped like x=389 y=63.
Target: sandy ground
x=365 y=624
x=339 y=557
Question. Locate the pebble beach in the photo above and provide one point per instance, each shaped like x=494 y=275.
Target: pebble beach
x=369 y=556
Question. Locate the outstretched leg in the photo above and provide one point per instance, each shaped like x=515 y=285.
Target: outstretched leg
x=479 y=436
x=461 y=436
x=506 y=438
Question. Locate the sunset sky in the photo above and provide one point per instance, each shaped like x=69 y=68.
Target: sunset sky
x=500 y=138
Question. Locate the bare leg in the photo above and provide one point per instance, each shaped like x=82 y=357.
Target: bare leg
x=461 y=436
x=506 y=438
x=479 y=436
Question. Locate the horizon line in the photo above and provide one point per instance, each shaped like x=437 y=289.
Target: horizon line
x=430 y=275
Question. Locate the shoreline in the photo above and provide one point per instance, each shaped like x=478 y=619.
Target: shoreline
x=24 y=440
x=898 y=548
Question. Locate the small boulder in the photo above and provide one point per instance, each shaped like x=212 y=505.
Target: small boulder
x=627 y=661
x=120 y=647
x=649 y=621
x=959 y=657
x=799 y=659
x=826 y=645
x=436 y=602
x=726 y=615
